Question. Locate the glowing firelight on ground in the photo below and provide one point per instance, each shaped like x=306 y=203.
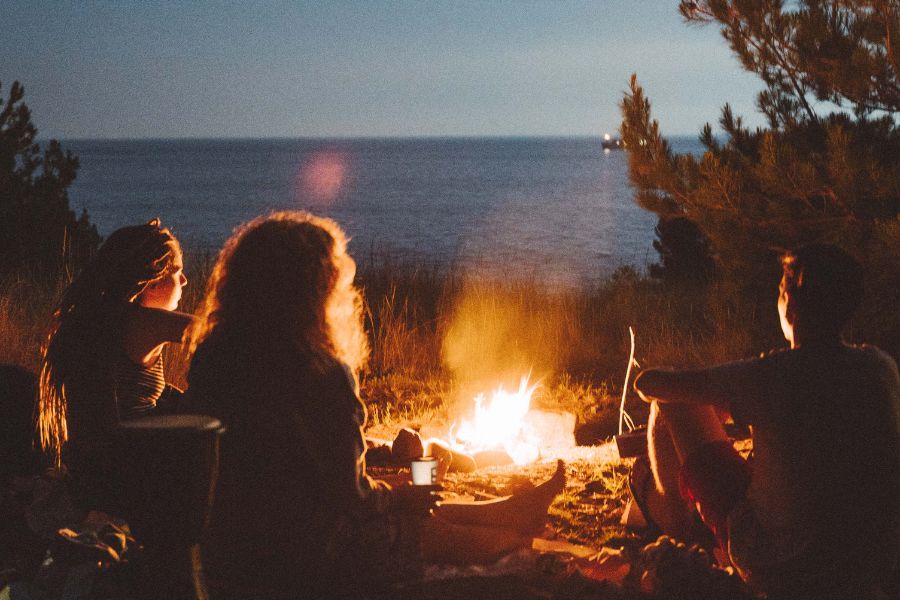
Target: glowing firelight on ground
x=500 y=424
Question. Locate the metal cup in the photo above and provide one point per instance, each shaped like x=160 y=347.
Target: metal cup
x=424 y=470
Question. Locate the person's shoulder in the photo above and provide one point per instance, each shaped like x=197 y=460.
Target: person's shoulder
x=774 y=354
x=769 y=358
x=134 y=311
x=339 y=375
x=874 y=358
x=873 y=353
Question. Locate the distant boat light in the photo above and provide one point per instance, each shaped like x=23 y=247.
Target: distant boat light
x=606 y=137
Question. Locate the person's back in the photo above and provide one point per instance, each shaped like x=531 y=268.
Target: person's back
x=815 y=513
x=271 y=404
x=826 y=462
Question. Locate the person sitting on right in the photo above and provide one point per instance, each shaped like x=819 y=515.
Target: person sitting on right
x=815 y=513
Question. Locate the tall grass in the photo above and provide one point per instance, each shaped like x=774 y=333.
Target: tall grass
x=26 y=309
x=439 y=336
x=429 y=321
x=429 y=324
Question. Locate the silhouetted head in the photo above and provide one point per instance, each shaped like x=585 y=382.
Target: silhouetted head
x=131 y=260
x=139 y=263
x=287 y=278
x=820 y=288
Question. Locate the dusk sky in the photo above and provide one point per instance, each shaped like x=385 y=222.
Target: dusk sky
x=367 y=68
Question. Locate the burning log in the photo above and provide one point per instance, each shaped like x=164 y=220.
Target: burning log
x=492 y=458
x=502 y=430
x=457 y=462
x=505 y=429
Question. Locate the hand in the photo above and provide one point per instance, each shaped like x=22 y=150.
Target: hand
x=642 y=379
x=417 y=499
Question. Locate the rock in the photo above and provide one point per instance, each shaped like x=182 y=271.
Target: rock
x=492 y=458
x=379 y=456
x=407 y=446
x=458 y=462
x=596 y=431
x=555 y=428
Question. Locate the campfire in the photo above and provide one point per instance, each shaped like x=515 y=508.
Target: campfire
x=500 y=423
x=503 y=427
x=496 y=430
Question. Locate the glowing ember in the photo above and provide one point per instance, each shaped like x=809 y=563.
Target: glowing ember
x=500 y=423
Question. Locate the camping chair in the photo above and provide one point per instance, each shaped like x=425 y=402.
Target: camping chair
x=166 y=469
x=19 y=455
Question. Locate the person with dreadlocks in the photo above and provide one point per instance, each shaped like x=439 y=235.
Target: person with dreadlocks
x=102 y=363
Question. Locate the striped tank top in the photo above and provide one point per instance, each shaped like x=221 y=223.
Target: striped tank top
x=137 y=387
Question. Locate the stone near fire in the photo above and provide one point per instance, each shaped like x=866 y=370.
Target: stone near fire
x=379 y=456
x=457 y=462
x=492 y=458
x=556 y=429
x=407 y=446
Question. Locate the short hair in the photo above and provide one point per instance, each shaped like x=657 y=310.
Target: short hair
x=825 y=282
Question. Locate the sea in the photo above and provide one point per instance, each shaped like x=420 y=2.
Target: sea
x=558 y=210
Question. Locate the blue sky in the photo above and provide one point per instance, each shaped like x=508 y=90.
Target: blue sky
x=367 y=68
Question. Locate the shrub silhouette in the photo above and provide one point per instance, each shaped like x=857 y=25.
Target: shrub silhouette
x=39 y=233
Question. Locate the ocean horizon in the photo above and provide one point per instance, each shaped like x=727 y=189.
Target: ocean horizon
x=553 y=208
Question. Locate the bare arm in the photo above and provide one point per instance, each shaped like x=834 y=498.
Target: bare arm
x=680 y=387
x=349 y=485
x=147 y=329
x=332 y=435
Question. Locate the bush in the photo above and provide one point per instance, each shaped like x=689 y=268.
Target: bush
x=38 y=231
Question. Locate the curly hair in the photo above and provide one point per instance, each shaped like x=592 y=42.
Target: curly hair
x=287 y=277
x=89 y=315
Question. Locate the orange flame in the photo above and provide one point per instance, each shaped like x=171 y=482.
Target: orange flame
x=500 y=423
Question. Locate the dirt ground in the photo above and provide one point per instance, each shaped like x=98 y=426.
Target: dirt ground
x=589 y=510
x=588 y=515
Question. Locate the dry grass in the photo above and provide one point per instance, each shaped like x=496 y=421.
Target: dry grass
x=26 y=306
x=439 y=337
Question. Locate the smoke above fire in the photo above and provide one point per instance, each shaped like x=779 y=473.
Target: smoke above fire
x=500 y=333
x=502 y=340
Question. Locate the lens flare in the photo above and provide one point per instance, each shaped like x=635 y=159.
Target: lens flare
x=322 y=177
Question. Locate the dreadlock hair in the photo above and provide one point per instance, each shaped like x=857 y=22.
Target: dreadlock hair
x=90 y=313
x=287 y=279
